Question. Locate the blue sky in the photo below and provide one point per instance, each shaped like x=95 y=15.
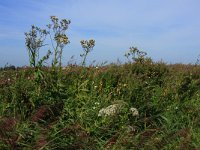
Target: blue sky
x=165 y=29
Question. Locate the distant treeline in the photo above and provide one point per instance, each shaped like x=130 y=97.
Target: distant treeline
x=8 y=67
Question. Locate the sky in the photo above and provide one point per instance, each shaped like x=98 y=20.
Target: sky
x=168 y=30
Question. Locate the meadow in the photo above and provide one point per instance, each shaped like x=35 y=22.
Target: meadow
x=140 y=104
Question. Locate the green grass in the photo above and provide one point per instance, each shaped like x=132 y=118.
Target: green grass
x=58 y=109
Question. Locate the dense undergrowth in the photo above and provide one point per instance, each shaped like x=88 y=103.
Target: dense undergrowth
x=137 y=105
x=60 y=110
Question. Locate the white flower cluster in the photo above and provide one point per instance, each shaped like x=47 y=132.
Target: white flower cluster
x=115 y=109
x=110 y=110
x=134 y=112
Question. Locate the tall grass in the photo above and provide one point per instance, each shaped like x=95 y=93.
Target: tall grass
x=65 y=114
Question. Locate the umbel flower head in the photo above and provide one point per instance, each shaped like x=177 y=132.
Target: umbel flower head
x=62 y=39
x=57 y=25
x=134 y=112
x=110 y=110
x=115 y=109
x=87 y=45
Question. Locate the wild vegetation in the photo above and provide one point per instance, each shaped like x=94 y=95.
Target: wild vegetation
x=140 y=104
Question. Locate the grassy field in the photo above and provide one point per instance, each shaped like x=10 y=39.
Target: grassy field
x=140 y=105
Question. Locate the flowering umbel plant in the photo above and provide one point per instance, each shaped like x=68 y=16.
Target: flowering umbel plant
x=87 y=47
x=61 y=40
x=34 y=41
x=135 y=54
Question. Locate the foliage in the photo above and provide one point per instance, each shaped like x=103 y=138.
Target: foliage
x=69 y=114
